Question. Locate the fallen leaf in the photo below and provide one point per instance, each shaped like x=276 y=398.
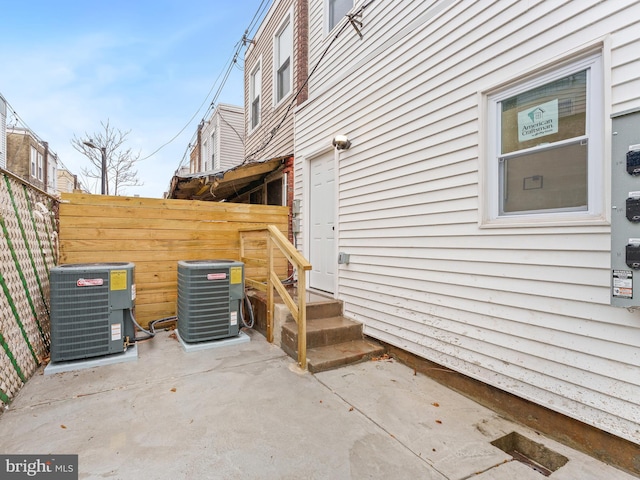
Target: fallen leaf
x=63 y=426
x=382 y=357
x=435 y=404
x=439 y=421
x=351 y=409
x=415 y=372
x=173 y=389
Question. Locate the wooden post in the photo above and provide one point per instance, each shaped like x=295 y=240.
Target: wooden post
x=242 y=252
x=270 y=288
x=302 y=318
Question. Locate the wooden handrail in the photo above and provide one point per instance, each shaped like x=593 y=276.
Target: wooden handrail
x=298 y=310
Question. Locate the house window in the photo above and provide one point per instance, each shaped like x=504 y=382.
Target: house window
x=213 y=150
x=283 y=52
x=255 y=84
x=337 y=10
x=34 y=162
x=545 y=143
x=39 y=166
x=204 y=154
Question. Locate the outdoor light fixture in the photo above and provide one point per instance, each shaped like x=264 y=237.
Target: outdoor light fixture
x=103 y=151
x=341 y=142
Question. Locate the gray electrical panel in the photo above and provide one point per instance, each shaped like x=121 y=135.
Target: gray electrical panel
x=625 y=205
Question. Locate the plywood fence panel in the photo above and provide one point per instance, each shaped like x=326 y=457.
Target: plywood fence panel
x=155 y=234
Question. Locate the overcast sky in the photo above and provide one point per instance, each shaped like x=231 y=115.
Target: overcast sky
x=146 y=66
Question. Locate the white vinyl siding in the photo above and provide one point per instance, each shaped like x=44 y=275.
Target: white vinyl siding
x=230 y=136
x=273 y=136
x=223 y=138
x=524 y=309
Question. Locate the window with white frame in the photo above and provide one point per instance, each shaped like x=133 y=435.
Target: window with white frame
x=255 y=86
x=213 y=150
x=40 y=165
x=52 y=176
x=336 y=10
x=545 y=144
x=282 y=55
x=204 y=156
x=33 y=157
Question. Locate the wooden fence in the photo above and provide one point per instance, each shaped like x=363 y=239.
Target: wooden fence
x=155 y=234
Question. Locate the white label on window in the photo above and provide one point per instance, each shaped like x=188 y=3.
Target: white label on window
x=634 y=147
x=538 y=121
x=234 y=318
x=116 y=331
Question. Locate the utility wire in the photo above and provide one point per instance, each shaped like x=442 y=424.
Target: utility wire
x=233 y=62
x=20 y=120
x=274 y=131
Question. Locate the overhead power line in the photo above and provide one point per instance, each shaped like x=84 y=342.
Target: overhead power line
x=353 y=22
x=233 y=61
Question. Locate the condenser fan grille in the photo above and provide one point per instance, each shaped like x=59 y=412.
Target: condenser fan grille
x=89 y=305
x=204 y=301
x=207 y=307
x=80 y=316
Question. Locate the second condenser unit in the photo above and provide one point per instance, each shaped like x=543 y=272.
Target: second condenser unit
x=210 y=294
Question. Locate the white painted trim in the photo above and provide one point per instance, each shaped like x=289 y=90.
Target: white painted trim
x=597 y=214
x=289 y=16
x=250 y=128
x=306 y=204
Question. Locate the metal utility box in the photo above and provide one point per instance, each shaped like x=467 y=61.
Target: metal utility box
x=91 y=307
x=625 y=205
x=210 y=294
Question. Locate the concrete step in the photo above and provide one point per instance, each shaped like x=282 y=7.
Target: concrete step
x=328 y=357
x=321 y=309
x=322 y=331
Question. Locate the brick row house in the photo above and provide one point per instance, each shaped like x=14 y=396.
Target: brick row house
x=31 y=159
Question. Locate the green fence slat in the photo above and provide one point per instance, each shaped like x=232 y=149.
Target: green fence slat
x=33 y=263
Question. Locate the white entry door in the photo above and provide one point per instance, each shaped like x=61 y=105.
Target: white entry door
x=322 y=254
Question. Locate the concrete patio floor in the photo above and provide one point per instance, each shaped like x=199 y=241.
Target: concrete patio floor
x=246 y=412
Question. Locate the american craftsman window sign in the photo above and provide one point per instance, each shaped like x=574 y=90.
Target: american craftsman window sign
x=538 y=121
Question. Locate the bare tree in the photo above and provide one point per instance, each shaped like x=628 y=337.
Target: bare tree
x=121 y=172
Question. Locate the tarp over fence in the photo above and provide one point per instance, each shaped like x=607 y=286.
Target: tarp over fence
x=28 y=250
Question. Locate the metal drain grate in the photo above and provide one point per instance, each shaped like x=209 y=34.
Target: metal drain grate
x=533 y=454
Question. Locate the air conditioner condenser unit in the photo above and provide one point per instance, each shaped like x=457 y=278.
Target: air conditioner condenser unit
x=91 y=309
x=210 y=294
